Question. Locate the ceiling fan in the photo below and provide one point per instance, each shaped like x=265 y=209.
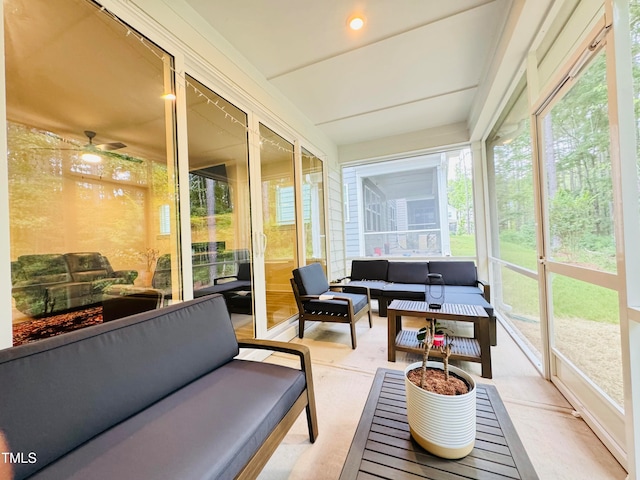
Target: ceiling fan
x=93 y=153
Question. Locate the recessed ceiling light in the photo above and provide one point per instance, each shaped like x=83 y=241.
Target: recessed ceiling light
x=356 y=23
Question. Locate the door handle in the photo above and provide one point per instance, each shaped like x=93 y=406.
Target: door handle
x=264 y=242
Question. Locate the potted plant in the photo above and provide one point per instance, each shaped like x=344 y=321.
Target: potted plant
x=441 y=401
x=150 y=257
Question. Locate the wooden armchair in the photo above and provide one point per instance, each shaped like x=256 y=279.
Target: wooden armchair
x=318 y=302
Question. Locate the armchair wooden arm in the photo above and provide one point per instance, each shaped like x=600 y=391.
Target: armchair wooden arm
x=303 y=353
x=355 y=288
x=486 y=289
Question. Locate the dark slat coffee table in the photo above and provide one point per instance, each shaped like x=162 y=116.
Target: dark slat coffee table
x=382 y=447
x=477 y=349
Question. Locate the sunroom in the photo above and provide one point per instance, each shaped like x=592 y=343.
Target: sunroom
x=183 y=148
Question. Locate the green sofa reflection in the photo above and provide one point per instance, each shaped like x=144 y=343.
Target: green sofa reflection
x=45 y=284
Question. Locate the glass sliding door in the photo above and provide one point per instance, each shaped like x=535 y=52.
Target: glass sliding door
x=220 y=203
x=279 y=224
x=313 y=213
x=91 y=165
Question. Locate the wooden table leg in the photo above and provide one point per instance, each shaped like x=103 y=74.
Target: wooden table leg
x=392 y=319
x=482 y=327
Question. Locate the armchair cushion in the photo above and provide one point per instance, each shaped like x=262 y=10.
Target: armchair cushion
x=336 y=306
x=311 y=279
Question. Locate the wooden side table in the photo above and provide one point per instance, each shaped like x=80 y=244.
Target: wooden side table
x=477 y=349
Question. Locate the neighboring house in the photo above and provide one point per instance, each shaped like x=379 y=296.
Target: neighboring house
x=397 y=208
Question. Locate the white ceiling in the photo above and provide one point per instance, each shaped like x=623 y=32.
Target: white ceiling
x=416 y=64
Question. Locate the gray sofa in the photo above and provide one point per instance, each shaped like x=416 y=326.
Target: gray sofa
x=155 y=395
x=406 y=280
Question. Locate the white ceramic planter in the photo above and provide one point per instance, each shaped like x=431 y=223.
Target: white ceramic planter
x=444 y=425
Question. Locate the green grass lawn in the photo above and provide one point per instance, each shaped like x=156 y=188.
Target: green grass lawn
x=571 y=298
x=463 y=245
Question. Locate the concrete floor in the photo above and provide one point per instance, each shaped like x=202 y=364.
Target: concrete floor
x=560 y=445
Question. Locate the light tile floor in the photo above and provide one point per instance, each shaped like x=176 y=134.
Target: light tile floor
x=560 y=445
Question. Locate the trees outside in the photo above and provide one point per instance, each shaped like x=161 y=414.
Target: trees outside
x=577 y=167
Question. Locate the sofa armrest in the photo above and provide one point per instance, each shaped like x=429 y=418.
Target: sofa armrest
x=303 y=353
x=486 y=289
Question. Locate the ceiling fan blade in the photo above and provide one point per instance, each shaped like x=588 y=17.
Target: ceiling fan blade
x=105 y=147
x=120 y=156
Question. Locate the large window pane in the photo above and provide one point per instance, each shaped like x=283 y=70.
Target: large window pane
x=420 y=206
x=91 y=164
x=519 y=306
x=513 y=173
x=219 y=198
x=578 y=174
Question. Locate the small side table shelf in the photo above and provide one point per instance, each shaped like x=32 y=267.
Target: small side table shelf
x=477 y=349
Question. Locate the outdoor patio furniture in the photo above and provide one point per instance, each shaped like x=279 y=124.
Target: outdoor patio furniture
x=382 y=446
x=317 y=301
x=157 y=395
x=476 y=349
x=389 y=280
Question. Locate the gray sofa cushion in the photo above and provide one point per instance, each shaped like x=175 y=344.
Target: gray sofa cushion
x=455 y=272
x=337 y=307
x=311 y=279
x=453 y=289
x=184 y=436
x=369 y=269
x=408 y=272
x=69 y=388
x=405 y=291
